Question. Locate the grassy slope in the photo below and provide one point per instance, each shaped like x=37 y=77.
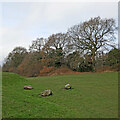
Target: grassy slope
x=94 y=96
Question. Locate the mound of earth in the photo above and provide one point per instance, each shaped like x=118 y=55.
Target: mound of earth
x=58 y=71
x=61 y=71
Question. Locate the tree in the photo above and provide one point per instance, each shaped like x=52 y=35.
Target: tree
x=14 y=58
x=77 y=62
x=37 y=45
x=55 y=48
x=57 y=41
x=92 y=35
x=101 y=58
x=113 y=57
x=31 y=65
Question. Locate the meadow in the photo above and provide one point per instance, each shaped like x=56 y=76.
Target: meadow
x=94 y=95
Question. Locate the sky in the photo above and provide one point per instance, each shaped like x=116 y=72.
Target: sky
x=23 y=22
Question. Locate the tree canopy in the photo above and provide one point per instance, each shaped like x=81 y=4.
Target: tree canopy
x=81 y=49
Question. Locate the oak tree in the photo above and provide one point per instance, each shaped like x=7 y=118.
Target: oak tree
x=92 y=35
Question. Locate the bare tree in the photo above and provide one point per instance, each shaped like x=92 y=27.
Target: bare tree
x=37 y=45
x=92 y=35
x=55 y=47
x=57 y=41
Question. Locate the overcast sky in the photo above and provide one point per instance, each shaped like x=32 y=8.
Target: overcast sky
x=23 y=22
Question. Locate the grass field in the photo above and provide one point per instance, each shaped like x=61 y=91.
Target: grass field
x=95 y=95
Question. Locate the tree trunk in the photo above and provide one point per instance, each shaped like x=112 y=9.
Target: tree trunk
x=93 y=59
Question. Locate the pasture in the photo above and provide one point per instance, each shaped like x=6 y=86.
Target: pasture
x=94 y=95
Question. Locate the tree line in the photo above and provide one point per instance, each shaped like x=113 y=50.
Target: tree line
x=88 y=46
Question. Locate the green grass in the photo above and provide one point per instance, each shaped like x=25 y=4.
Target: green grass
x=95 y=95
